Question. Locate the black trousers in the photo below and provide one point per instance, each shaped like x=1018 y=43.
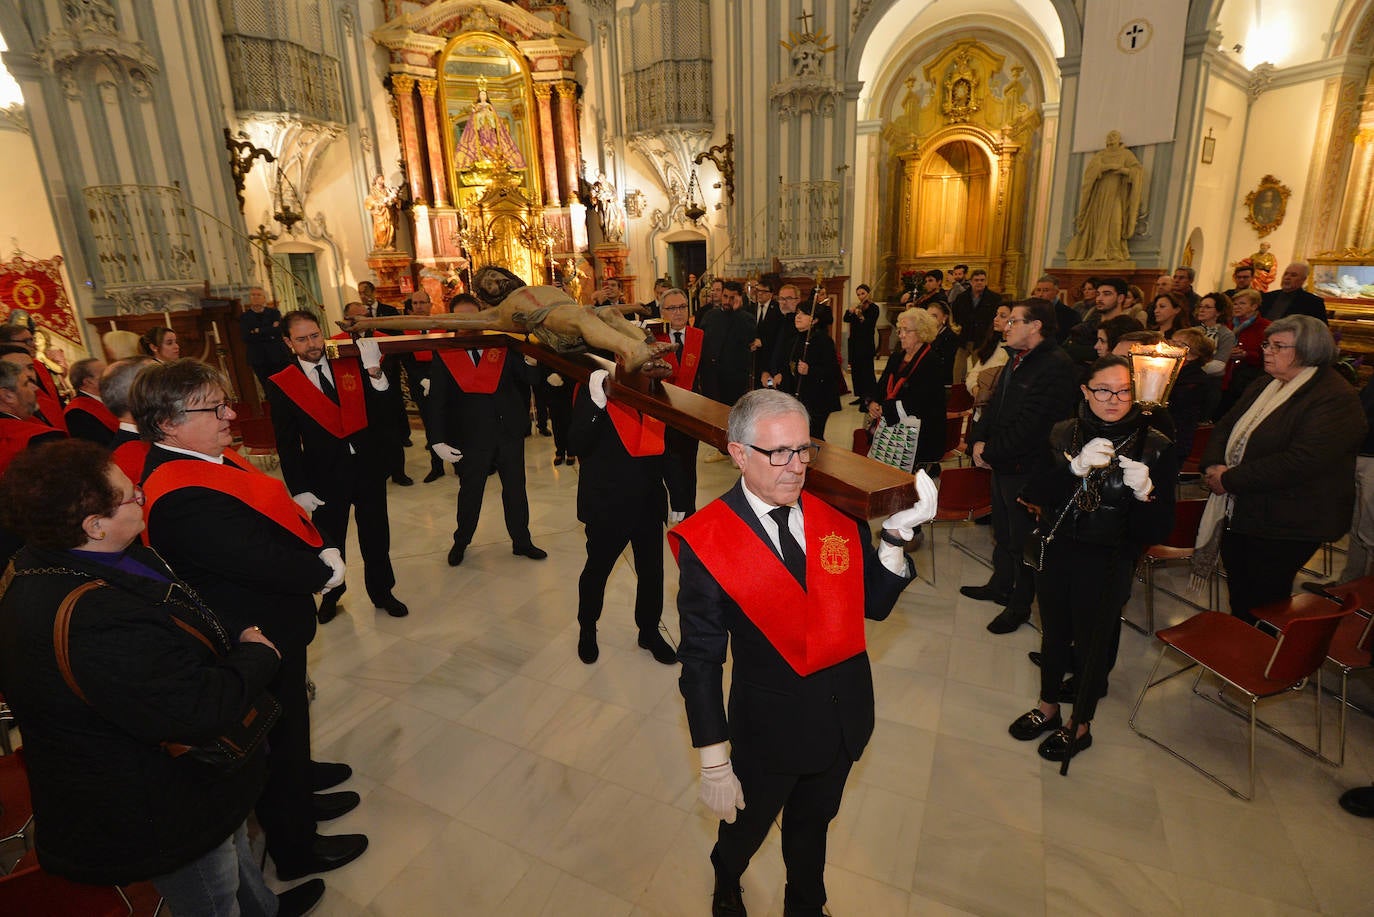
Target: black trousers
x=680 y=471
x=365 y=492
x=808 y=803
x=862 y=378
x=1011 y=526
x=286 y=808
x=1261 y=570
x=558 y=398
x=1081 y=591
x=508 y=455
x=605 y=541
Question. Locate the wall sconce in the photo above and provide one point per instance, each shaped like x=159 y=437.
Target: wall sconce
x=1209 y=148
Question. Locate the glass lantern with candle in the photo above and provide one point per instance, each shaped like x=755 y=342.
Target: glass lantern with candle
x=1154 y=369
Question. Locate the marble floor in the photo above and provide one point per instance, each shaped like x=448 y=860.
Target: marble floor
x=500 y=775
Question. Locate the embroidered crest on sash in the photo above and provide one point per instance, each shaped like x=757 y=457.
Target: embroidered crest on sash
x=834 y=554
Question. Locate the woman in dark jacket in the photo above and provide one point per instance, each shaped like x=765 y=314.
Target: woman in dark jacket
x=916 y=379
x=804 y=363
x=862 y=319
x=1281 y=467
x=149 y=668
x=1106 y=493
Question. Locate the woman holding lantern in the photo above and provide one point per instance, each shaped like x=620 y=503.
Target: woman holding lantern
x=1281 y=467
x=1106 y=493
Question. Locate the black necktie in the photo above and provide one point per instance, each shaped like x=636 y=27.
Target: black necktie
x=677 y=336
x=476 y=357
x=325 y=385
x=792 y=555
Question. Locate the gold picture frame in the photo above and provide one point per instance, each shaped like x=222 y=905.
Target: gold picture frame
x=1266 y=205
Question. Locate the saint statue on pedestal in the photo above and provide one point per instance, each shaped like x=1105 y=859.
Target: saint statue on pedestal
x=381 y=204
x=1109 y=203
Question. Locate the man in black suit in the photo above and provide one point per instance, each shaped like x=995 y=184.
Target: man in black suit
x=786 y=582
x=726 y=356
x=771 y=323
x=620 y=501
x=1290 y=298
x=260 y=327
x=332 y=458
x=975 y=309
x=234 y=534
x=87 y=416
x=479 y=413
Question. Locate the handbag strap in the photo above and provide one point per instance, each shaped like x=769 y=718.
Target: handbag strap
x=61 y=631
x=1068 y=505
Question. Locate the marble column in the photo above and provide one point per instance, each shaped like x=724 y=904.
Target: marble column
x=548 y=146
x=403 y=87
x=567 y=123
x=434 y=141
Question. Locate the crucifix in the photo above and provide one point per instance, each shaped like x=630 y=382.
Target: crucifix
x=1134 y=34
x=805 y=19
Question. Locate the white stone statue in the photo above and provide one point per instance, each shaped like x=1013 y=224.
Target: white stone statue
x=1110 y=200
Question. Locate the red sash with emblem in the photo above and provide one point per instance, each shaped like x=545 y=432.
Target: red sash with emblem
x=48 y=402
x=640 y=434
x=131 y=457
x=260 y=492
x=342 y=420
x=813 y=628
x=96 y=408
x=15 y=436
x=475 y=379
x=684 y=369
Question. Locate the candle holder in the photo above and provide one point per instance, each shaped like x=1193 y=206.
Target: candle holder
x=1154 y=369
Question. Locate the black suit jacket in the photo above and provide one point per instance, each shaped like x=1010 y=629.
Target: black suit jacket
x=613 y=485
x=312 y=458
x=789 y=723
x=121 y=437
x=862 y=343
x=469 y=421
x=246 y=567
x=726 y=360
x=1304 y=302
x=975 y=321
x=81 y=425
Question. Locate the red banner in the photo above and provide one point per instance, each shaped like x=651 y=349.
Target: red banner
x=36 y=288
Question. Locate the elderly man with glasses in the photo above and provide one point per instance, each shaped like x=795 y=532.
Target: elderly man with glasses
x=784 y=581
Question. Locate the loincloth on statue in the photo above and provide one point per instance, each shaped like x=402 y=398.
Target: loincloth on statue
x=532 y=322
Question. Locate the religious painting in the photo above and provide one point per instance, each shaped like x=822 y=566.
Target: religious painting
x=1266 y=205
x=489 y=111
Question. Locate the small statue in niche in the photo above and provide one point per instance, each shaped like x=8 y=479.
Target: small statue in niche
x=1264 y=266
x=1109 y=204
x=609 y=209
x=486 y=141
x=381 y=204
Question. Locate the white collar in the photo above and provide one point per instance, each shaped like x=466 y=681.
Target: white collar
x=217 y=459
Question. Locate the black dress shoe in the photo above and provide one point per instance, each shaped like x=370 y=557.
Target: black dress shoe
x=572 y=460
x=1009 y=620
x=587 y=650
x=393 y=606
x=332 y=805
x=1033 y=723
x=329 y=604
x=1036 y=657
x=326 y=774
x=530 y=551
x=403 y=479
x=1056 y=747
x=558 y=459
x=301 y=900
x=1359 y=801
x=434 y=474
x=728 y=898
x=984 y=594
x=653 y=642
x=327 y=851
x=455 y=554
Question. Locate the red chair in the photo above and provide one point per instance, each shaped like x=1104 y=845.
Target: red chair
x=1251 y=662
x=1350 y=649
x=34 y=893
x=1177 y=547
x=258 y=438
x=1201 y=438
x=954 y=435
x=958 y=400
x=965 y=495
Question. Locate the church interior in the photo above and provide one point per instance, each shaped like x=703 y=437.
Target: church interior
x=163 y=158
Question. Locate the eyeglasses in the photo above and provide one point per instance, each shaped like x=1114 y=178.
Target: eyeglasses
x=1020 y=321
x=1107 y=394
x=1269 y=346
x=137 y=499
x=221 y=410
x=783 y=455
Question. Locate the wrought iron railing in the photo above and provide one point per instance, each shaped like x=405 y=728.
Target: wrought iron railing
x=809 y=220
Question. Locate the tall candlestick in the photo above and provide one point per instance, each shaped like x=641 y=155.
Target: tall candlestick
x=167 y=317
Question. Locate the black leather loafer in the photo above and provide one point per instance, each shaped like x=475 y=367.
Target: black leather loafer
x=1009 y=620
x=1033 y=723
x=530 y=551
x=301 y=900
x=328 y=851
x=332 y=805
x=326 y=774
x=1056 y=747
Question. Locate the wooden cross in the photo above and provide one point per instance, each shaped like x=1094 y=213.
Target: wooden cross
x=805 y=19
x=850 y=482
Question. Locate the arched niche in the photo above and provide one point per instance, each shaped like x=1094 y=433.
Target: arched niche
x=954 y=200
x=487 y=105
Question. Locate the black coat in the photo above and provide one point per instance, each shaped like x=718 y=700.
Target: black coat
x=84 y=425
x=975 y=321
x=114 y=807
x=922 y=395
x=726 y=359
x=1303 y=302
x=1030 y=398
x=1297 y=479
x=469 y=421
x=787 y=722
x=613 y=485
x=862 y=342
x=244 y=565
x=264 y=347
x=819 y=389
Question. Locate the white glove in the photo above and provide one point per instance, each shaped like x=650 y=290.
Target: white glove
x=334 y=559
x=554 y=380
x=905 y=523
x=596 y=387
x=370 y=352
x=531 y=361
x=1136 y=476
x=721 y=792
x=1096 y=454
x=308 y=501
x=446 y=452
x=424 y=387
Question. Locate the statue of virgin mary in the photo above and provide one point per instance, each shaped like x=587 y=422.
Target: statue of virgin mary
x=486 y=140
